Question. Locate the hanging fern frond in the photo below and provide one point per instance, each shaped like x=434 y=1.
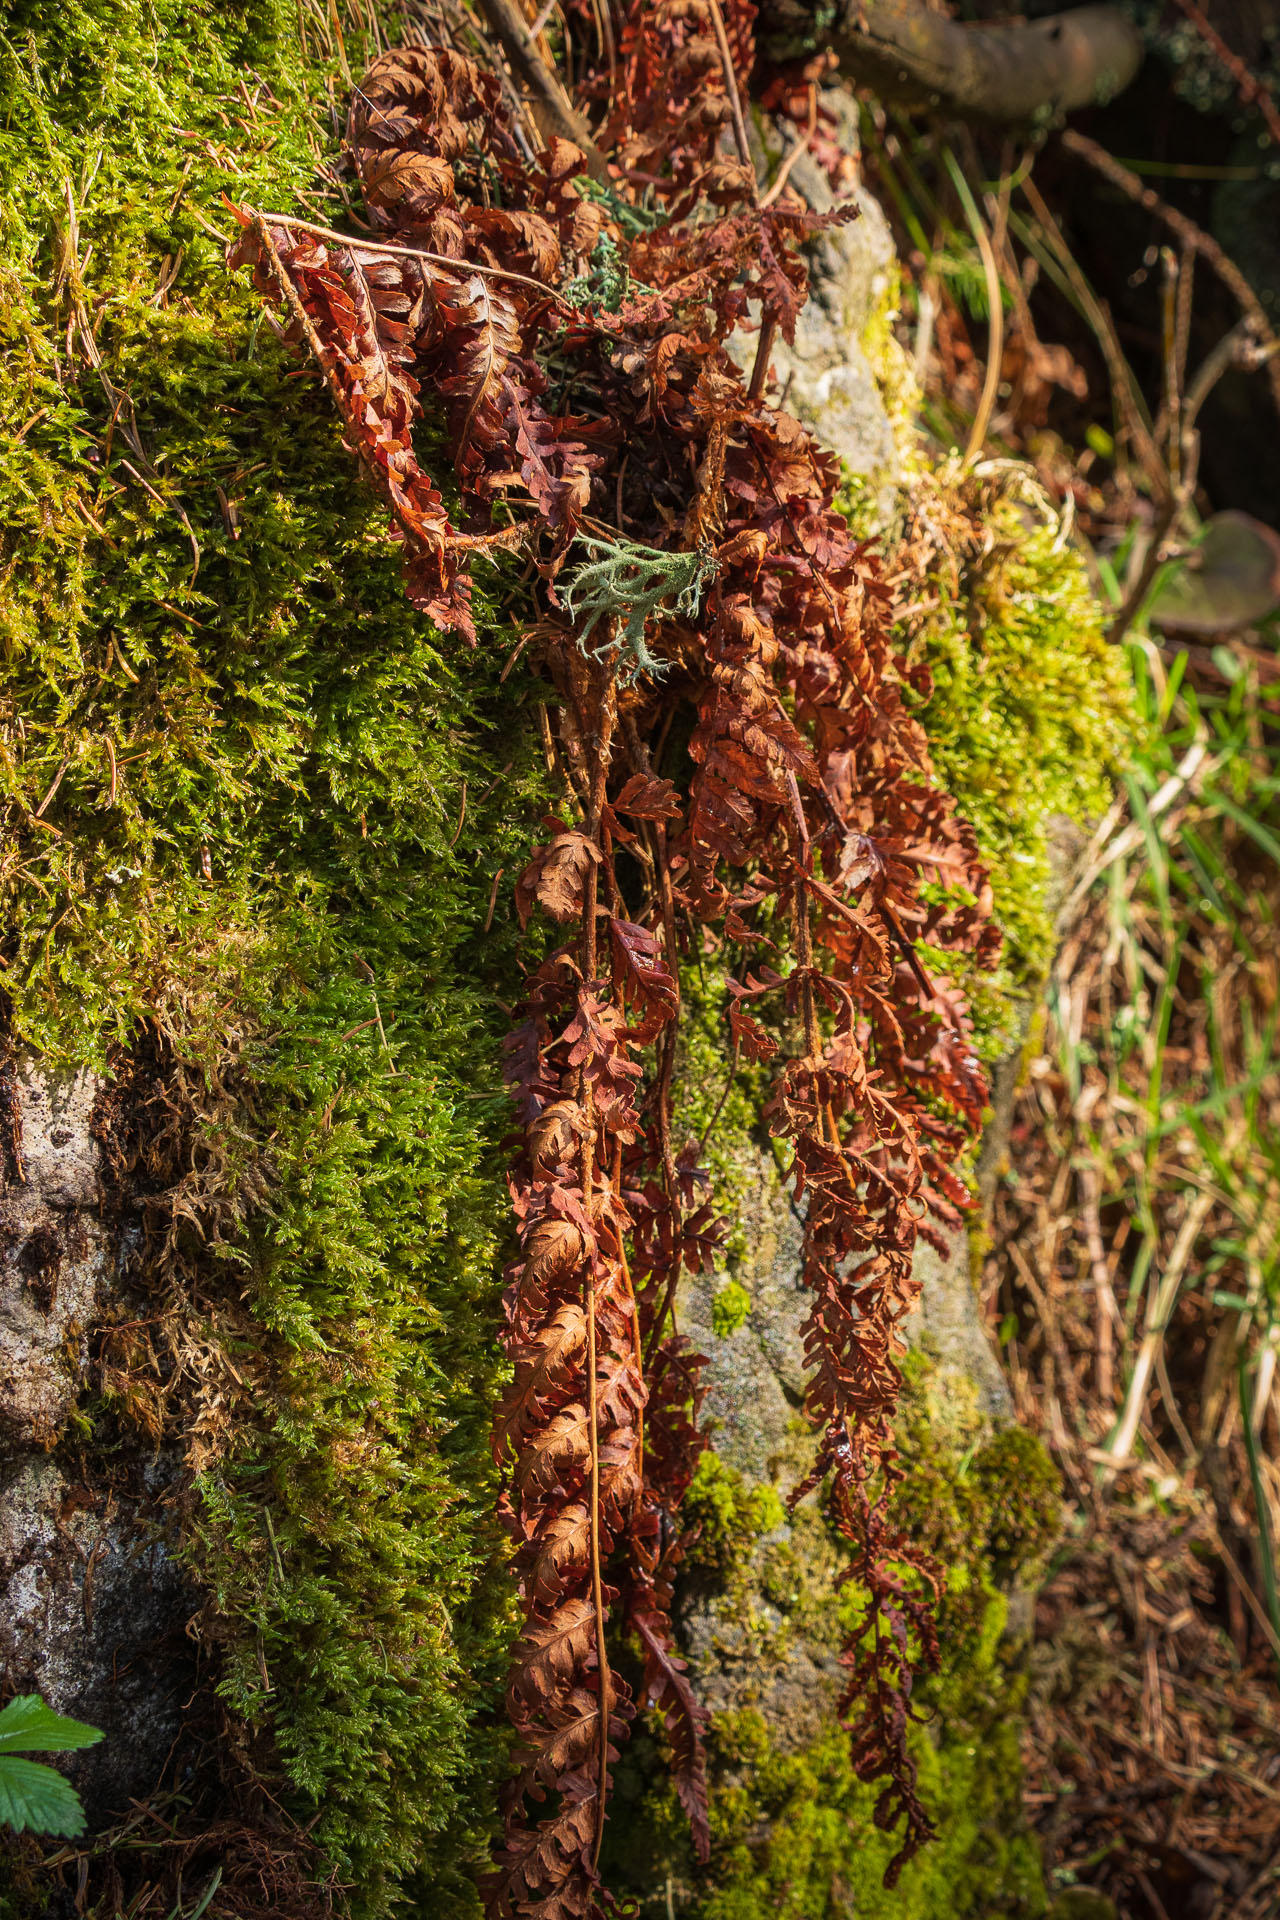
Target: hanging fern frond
x=810 y=801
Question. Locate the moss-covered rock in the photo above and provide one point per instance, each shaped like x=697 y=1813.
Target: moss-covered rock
x=1029 y=710
x=258 y=821
x=257 y=816
x=793 y=1830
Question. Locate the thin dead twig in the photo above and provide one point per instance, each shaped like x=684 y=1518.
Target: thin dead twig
x=1251 y=91
x=1192 y=237
x=551 y=105
x=1120 y=1446
x=731 y=86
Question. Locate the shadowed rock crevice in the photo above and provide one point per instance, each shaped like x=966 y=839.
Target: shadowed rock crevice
x=93 y=1607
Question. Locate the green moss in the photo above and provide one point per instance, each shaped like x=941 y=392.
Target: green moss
x=253 y=759
x=1031 y=712
x=730 y=1308
x=727 y=1516
x=794 y=1833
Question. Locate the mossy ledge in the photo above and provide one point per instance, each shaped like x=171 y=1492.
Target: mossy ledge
x=261 y=830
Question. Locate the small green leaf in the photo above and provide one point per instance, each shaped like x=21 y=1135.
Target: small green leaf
x=34 y=1796
x=27 y=1725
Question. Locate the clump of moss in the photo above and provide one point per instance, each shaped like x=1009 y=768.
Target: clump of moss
x=794 y=1833
x=986 y=1506
x=1030 y=713
x=1017 y=1487
x=256 y=807
x=726 y=1517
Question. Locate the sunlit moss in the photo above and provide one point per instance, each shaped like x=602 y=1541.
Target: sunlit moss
x=1031 y=713
x=275 y=804
x=793 y=1830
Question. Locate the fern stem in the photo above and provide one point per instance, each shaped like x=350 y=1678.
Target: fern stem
x=603 y=1677
x=608 y=714
x=731 y=85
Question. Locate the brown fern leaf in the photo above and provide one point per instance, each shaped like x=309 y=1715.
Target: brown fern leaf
x=478 y=329
x=360 y=350
x=416 y=113
x=666 y=1687
x=544 y=1872
x=811 y=817
x=644 y=977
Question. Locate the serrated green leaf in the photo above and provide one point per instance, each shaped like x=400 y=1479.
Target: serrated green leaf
x=34 y=1796
x=27 y=1725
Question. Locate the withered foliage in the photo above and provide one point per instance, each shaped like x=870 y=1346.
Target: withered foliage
x=804 y=816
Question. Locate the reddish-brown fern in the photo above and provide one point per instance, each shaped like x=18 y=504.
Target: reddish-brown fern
x=804 y=815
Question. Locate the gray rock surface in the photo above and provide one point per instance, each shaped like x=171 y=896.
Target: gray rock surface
x=55 y=1253
x=742 y=1646
x=753 y=1649
x=756 y=1379
x=92 y=1606
x=92 y=1617
x=827 y=375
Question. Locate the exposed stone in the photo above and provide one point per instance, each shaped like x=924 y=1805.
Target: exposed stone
x=55 y=1252
x=744 y=1648
x=830 y=381
x=756 y=1379
x=92 y=1610
x=92 y=1606
x=828 y=374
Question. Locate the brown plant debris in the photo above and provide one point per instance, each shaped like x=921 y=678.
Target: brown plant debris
x=575 y=342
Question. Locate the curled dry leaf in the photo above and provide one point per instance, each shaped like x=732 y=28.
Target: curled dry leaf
x=644 y=798
x=555 y=879
x=644 y=978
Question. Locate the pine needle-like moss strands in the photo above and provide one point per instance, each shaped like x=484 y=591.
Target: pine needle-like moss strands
x=257 y=863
